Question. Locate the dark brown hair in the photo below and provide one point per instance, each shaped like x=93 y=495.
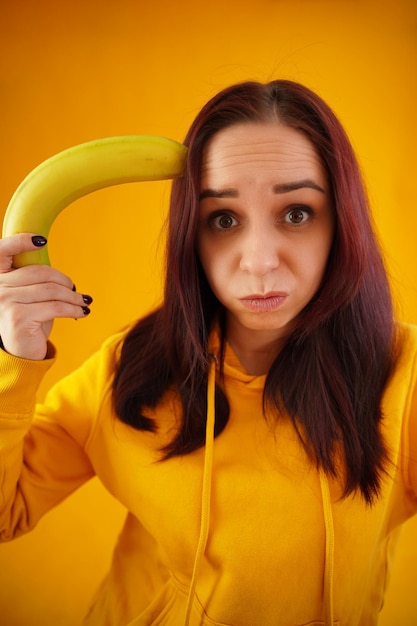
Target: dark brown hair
x=330 y=375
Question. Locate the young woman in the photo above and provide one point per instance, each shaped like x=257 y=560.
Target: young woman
x=261 y=426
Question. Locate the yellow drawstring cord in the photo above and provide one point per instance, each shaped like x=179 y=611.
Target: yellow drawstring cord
x=329 y=549
x=206 y=488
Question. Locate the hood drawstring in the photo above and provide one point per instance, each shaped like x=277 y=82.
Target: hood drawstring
x=206 y=486
x=205 y=511
x=329 y=548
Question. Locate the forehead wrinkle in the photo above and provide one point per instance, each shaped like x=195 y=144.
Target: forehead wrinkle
x=216 y=163
x=245 y=152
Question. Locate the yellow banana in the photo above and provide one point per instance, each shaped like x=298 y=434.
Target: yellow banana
x=80 y=170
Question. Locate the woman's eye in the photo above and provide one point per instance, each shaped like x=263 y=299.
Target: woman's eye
x=224 y=222
x=297 y=215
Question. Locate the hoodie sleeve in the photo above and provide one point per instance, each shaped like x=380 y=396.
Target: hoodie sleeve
x=42 y=447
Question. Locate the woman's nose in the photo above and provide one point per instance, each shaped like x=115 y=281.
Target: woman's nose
x=260 y=252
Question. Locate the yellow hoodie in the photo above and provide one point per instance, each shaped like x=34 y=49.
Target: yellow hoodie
x=244 y=532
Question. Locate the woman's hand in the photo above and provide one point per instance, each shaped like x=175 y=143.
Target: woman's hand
x=31 y=297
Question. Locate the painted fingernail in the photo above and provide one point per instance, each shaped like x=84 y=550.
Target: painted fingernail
x=87 y=299
x=39 y=241
x=86 y=310
x=74 y=288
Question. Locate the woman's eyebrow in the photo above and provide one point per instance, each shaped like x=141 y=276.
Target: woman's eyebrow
x=278 y=188
x=219 y=193
x=298 y=184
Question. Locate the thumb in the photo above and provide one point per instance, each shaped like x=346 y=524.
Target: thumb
x=23 y=242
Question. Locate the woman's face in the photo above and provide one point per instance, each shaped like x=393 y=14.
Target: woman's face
x=265 y=224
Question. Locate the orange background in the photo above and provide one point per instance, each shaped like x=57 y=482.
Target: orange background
x=75 y=70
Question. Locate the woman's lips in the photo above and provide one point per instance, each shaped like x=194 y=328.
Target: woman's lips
x=263 y=303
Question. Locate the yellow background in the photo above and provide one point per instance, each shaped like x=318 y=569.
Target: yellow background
x=75 y=70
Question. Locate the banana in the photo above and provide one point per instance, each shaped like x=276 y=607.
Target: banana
x=80 y=170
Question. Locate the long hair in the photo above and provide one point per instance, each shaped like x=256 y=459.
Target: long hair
x=332 y=370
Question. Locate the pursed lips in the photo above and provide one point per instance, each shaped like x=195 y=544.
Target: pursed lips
x=264 y=302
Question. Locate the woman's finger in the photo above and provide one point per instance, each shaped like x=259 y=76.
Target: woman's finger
x=35 y=275
x=10 y=246
x=43 y=292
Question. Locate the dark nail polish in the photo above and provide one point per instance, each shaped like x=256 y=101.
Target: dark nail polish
x=74 y=288
x=39 y=241
x=87 y=299
x=86 y=310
